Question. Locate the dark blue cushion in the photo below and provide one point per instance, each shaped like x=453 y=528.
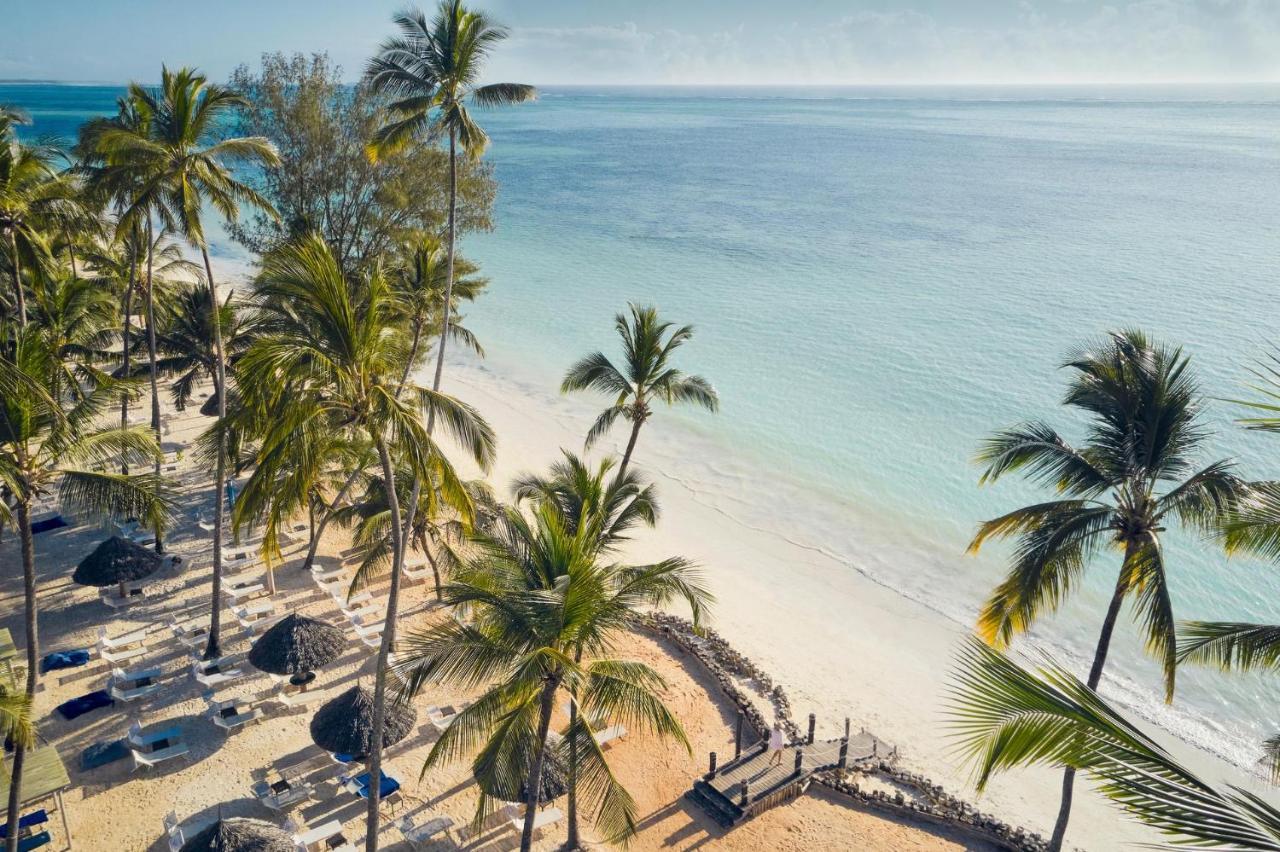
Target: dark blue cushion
x=63 y=660
x=34 y=842
x=26 y=821
x=79 y=706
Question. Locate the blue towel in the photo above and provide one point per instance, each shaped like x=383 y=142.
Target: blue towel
x=63 y=660
x=100 y=754
x=26 y=821
x=79 y=706
x=47 y=524
x=386 y=787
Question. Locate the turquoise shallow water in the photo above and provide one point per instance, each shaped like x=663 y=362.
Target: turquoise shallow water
x=879 y=278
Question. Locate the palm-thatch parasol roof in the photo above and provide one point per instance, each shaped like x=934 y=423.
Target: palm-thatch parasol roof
x=210 y=406
x=116 y=561
x=238 y=834
x=553 y=783
x=296 y=645
x=345 y=724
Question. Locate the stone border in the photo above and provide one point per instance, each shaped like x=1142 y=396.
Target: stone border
x=935 y=805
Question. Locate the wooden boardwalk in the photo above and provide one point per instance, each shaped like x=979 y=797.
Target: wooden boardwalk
x=768 y=783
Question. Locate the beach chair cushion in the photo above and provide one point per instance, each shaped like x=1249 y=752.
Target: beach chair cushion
x=64 y=660
x=35 y=841
x=85 y=703
x=386 y=788
x=100 y=754
x=25 y=821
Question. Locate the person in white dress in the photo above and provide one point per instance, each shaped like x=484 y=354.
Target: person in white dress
x=776 y=743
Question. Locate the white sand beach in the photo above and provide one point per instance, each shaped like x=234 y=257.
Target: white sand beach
x=841 y=644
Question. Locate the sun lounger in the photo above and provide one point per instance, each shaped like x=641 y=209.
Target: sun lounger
x=124 y=640
x=297 y=532
x=215 y=673
x=146 y=760
x=542 y=819
x=366 y=628
x=416 y=569
x=122 y=656
x=132 y=685
x=35 y=841
x=282 y=795
x=131 y=596
x=419 y=834
x=137 y=739
x=440 y=717
x=608 y=735
x=238 y=594
x=193 y=634
x=26 y=821
x=298 y=700
x=229 y=716
x=325 y=575
x=321 y=833
x=173 y=832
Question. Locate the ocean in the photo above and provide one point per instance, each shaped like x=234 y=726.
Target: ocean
x=880 y=277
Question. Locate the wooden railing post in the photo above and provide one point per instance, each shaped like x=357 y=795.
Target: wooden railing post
x=844 y=753
x=846 y=728
x=737 y=739
x=799 y=761
x=746 y=793
x=813 y=721
x=711 y=773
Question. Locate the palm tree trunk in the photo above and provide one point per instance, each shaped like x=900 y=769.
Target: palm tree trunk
x=212 y=649
x=384 y=648
x=124 y=351
x=317 y=528
x=435 y=571
x=573 y=842
x=448 y=281
x=33 y=655
x=1095 y=676
x=413 y=355
x=533 y=785
x=20 y=299
x=631 y=446
x=151 y=361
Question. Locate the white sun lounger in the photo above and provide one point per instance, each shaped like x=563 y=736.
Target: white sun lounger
x=117 y=657
x=132 y=595
x=417 y=569
x=215 y=673
x=239 y=594
x=608 y=735
x=323 y=574
x=251 y=614
x=232 y=721
x=541 y=819
x=440 y=717
x=146 y=760
x=124 y=640
x=419 y=834
x=132 y=685
x=192 y=633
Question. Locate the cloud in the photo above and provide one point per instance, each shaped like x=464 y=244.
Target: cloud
x=1044 y=41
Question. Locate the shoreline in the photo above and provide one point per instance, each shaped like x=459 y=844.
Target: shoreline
x=839 y=641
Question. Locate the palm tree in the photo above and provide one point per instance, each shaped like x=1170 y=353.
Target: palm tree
x=75 y=318
x=16 y=725
x=176 y=170
x=1133 y=475
x=646 y=376
x=43 y=446
x=1253 y=527
x=31 y=192
x=185 y=340
x=1005 y=716
x=329 y=357
x=418 y=278
x=542 y=602
x=431 y=70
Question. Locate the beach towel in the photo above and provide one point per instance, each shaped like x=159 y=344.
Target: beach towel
x=85 y=703
x=26 y=821
x=100 y=754
x=63 y=660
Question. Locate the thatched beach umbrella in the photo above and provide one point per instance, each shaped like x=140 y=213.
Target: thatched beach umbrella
x=297 y=645
x=239 y=834
x=210 y=406
x=345 y=724
x=115 y=562
x=552 y=785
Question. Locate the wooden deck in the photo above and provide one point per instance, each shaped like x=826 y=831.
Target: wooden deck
x=768 y=783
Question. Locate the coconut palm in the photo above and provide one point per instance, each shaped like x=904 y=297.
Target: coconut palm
x=1006 y=716
x=32 y=191
x=16 y=725
x=646 y=376
x=1134 y=474
x=44 y=446
x=431 y=70
x=186 y=339
x=176 y=169
x=76 y=319
x=546 y=612
x=329 y=357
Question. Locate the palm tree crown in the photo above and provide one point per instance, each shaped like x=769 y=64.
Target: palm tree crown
x=646 y=376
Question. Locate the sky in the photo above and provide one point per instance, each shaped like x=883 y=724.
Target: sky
x=737 y=42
